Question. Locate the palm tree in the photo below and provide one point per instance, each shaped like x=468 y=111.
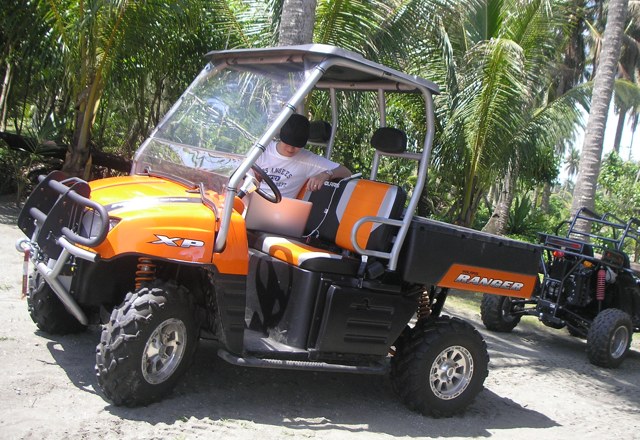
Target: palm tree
x=21 y=49
x=589 y=168
x=494 y=61
x=91 y=36
x=150 y=73
x=572 y=160
x=625 y=97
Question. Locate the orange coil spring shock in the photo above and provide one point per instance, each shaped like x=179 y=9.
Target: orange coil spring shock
x=600 y=287
x=424 y=309
x=146 y=272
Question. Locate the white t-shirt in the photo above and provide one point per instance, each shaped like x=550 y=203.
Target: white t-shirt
x=290 y=173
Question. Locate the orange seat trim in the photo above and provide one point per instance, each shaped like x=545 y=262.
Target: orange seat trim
x=292 y=251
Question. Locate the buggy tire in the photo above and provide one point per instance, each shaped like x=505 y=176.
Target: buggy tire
x=147 y=345
x=442 y=367
x=398 y=346
x=609 y=338
x=48 y=312
x=495 y=311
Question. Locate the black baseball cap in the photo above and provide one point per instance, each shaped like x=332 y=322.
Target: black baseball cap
x=295 y=131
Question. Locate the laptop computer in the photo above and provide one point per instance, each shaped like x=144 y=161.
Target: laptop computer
x=288 y=217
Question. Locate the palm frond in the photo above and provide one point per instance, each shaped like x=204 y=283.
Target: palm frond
x=627 y=94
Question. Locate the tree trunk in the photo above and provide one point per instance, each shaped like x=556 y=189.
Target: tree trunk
x=634 y=125
x=4 y=93
x=499 y=220
x=297 y=22
x=546 y=197
x=622 y=118
x=589 y=168
x=296 y=27
x=78 y=156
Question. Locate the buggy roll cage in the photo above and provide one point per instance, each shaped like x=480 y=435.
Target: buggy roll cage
x=335 y=69
x=620 y=230
x=581 y=244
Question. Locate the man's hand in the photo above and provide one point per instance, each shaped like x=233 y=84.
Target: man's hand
x=315 y=182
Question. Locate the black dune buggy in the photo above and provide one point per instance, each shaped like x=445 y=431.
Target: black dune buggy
x=588 y=285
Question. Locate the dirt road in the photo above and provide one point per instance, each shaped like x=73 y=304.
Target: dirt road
x=540 y=385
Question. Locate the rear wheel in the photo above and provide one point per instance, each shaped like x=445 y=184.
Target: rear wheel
x=496 y=312
x=147 y=345
x=441 y=368
x=398 y=347
x=609 y=338
x=47 y=311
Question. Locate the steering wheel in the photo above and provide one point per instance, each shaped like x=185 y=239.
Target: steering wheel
x=273 y=198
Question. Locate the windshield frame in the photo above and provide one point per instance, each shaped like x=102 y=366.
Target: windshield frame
x=219 y=119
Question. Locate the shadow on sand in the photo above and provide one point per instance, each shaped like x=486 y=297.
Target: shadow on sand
x=214 y=391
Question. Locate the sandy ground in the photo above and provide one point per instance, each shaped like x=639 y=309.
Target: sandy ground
x=540 y=385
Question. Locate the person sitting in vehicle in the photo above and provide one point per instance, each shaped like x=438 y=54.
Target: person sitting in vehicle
x=290 y=165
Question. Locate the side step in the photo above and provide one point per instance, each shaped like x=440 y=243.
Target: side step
x=301 y=365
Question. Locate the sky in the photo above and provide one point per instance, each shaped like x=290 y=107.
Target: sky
x=627 y=150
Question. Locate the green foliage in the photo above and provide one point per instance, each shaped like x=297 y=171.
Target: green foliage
x=8 y=183
x=20 y=167
x=559 y=211
x=156 y=61
x=619 y=187
x=495 y=62
x=482 y=217
x=524 y=220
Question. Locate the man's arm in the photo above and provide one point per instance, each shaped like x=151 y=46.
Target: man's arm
x=340 y=172
x=315 y=182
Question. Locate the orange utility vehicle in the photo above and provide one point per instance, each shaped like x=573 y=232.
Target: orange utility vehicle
x=175 y=251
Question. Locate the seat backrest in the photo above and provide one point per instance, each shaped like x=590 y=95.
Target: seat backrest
x=366 y=198
x=338 y=206
x=323 y=222
x=389 y=140
x=319 y=132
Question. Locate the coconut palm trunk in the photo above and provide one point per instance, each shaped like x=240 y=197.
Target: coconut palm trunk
x=499 y=220
x=77 y=161
x=589 y=168
x=297 y=22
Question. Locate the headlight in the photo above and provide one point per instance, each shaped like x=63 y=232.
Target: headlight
x=91 y=224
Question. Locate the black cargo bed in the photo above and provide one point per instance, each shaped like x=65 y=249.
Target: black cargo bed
x=441 y=254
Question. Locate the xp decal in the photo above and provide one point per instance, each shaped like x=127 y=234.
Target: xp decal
x=177 y=241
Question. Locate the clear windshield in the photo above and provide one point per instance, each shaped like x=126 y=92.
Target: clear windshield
x=208 y=132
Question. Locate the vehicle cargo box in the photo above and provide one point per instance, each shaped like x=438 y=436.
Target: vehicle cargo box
x=446 y=255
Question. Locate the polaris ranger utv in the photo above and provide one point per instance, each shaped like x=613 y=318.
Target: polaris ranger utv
x=173 y=253
x=588 y=286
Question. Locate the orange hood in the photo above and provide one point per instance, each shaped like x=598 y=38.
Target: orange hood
x=154 y=217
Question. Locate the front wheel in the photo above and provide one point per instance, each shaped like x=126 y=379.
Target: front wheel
x=147 y=345
x=47 y=311
x=442 y=368
x=609 y=338
x=497 y=313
